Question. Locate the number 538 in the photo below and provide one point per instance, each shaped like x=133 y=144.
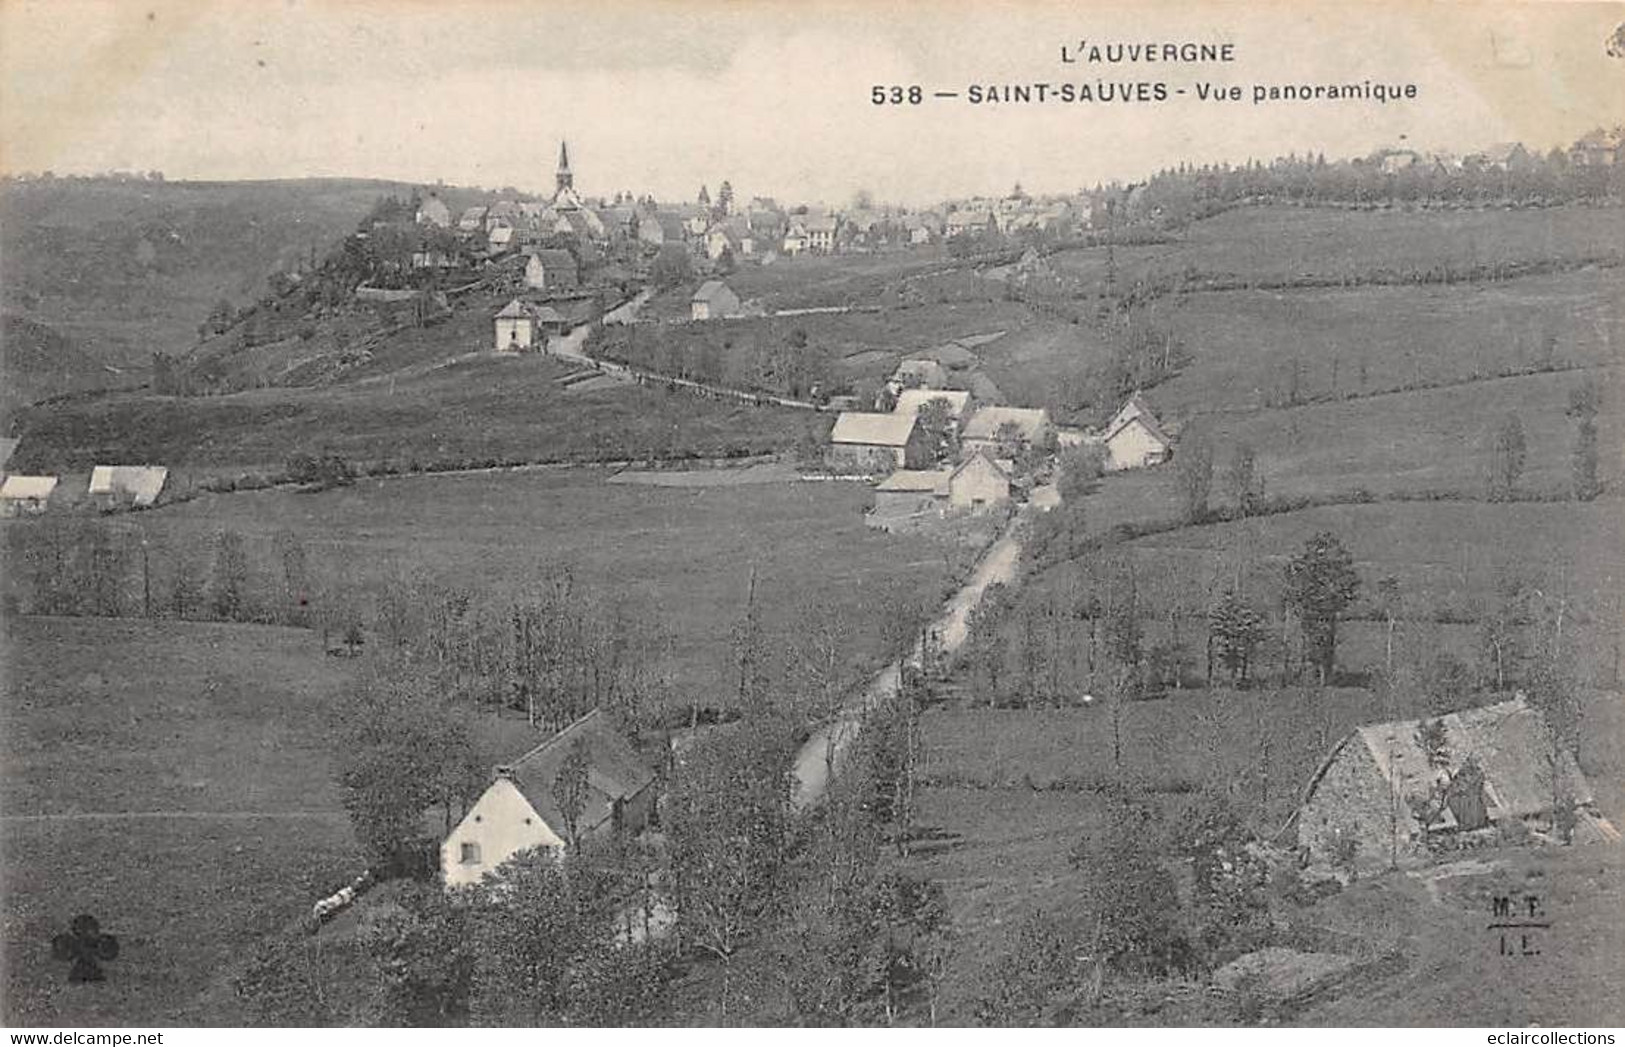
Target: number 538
x=895 y=95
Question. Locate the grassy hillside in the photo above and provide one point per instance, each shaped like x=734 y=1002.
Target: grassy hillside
x=478 y=411
x=120 y=269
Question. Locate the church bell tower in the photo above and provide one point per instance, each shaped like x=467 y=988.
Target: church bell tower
x=563 y=178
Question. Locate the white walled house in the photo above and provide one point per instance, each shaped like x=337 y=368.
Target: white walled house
x=1136 y=444
x=518 y=811
x=521 y=326
x=25 y=495
x=978 y=484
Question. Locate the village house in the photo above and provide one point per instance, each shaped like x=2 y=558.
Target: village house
x=434 y=211
x=117 y=486
x=969 y=223
x=922 y=228
x=500 y=238
x=713 y=301
x=979 y=483
x=1387 y=789
x=951 y=355
x=731 y=237
x=551 y=269
x=1030 y=426
x=472 y=220
x=1133 y=438
x=821 y=230
x=521 y=811
x=25 y=495
x=1598 y=149
x=796 y=240
x=1137 y=443
x=521 y=326
x=430 y=258
x=912 y=401
x=872 y=444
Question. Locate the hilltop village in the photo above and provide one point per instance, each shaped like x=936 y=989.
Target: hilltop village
x=1189 y=601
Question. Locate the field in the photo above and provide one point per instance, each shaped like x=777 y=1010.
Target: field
x=1274 y=242
x=219 y=728
x=679 y=557
x=476 y=411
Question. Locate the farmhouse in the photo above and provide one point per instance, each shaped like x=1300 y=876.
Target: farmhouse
x=713 y=301
x=989 y=427
x=500 y=238
x=521 y=809
x=521 y=325
x=1136 y=444
x=551 y=269
x=796 y=239
x=970 y=223
x=979 y=483
x=1386 y=789
x=133 y=485
x=472 y=220
x=821 y=230
x=25 y=495
x=877 y=443
x=910 y=402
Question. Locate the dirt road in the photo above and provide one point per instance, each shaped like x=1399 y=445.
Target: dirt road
x=829 y=743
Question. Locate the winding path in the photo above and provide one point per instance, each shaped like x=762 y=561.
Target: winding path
x=829 y=744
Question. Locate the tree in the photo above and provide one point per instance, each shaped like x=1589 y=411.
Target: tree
x=672 y=267
x=1586 y=484
x=1246 y=486
x=1508 y=452
x=405 y=748
x=1129 y=897
x=1009 y=439
x=1392 y=600
x=727 y=818
x=423 y=957
x=1320 y=583
x=936 y=421
x=1194 y=468
x=229 y=593
x=725 y=198
x=1236 y=630
x=570 y=791
x=1080 y=466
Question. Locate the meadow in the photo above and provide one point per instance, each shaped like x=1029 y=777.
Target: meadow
x=677 y=558
x=477 y=411
x=174 y=780
x=1274 y=242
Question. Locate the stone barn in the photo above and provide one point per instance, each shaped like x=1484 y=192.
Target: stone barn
x=877 y=443
x=1388 y=789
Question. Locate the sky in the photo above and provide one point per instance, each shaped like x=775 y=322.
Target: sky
x=772 y=95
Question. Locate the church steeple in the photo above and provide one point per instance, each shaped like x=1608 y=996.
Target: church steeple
x=564 y=178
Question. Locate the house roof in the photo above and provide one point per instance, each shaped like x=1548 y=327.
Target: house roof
x=554 y=258
x=985 y=423
x=473 y=214
x=1144 y=421
x=22 y=488
x=709 y=291
x=818 y=223
x=981 y=461
x=1509 y=740
x=546 y=314
x=932 y=481
x=911 y=401
x=143 y=483
x=614 y=771
x=514 y=310
x=880 y=430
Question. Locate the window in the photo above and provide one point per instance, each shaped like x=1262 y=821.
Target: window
x=470 y=853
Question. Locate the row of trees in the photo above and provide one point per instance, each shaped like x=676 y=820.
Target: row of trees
x=1187 y=192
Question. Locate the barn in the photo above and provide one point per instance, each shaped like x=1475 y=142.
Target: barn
x=1386 y=789
x=877 y=443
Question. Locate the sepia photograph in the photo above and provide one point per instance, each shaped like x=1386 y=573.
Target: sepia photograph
x=727 y=514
